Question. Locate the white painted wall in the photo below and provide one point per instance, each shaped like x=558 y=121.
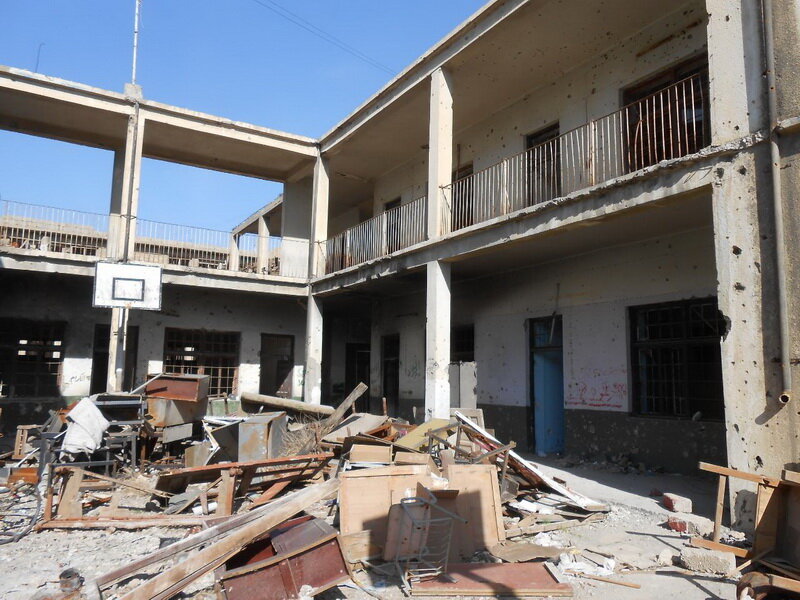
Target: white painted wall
x=592 y=292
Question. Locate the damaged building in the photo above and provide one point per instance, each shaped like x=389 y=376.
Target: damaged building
x=582 y=225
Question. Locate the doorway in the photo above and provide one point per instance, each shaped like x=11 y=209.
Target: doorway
x=547 y=384
x=356 y=365
x=277 y=365
x=390 y=363
x=99 y=380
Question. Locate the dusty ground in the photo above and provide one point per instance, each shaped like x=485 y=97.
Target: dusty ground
x=632 y=532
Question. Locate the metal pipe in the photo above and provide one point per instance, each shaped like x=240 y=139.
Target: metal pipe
x=777 y=203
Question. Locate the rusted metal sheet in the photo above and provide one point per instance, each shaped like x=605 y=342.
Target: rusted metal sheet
x=303 y=551
x=165 y=412
x=187 y=388
x=261 y=436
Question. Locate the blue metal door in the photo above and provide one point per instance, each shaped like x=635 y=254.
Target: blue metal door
x=547 y=384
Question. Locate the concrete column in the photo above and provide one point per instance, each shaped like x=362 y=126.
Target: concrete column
x=319 y=216
x=312 y=388
x=437 y=341
x=262 y=260
x=233 y=259
x=735 y=69
x=440 y=152
x=116 y=349
x=762 y=434
x=122 y=234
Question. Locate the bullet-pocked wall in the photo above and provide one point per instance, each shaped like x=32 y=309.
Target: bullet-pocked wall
x=65 y=298
x=593 y=293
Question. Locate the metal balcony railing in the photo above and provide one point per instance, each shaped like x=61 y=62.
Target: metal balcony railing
x=48 y=230
x=666 y=125
x=388 y=232
x=210 y=249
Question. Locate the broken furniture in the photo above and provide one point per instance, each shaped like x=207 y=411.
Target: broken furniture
x=269 y=477
x=775 y=555
x=242 y=439
x=420 y=533
x=275 y=566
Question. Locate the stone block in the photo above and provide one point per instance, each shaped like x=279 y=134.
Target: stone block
x=708 y=561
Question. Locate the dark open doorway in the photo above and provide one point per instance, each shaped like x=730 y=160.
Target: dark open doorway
x=390 y=363
x=277 y=365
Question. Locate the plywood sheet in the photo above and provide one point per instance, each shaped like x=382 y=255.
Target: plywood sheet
x=366 y=496
x=494 y=580
x=367 y=453
x=478 y=502
x=417 y=438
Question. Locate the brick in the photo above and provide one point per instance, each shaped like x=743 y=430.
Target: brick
x=690 y=524
x=677 y=503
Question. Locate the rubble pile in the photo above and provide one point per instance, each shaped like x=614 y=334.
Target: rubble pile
x=287 y=500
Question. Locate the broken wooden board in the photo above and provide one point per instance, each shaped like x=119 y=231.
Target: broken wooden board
x=494 y=580
x=353 y=425
x=418 y=437
x=515 y=552
x=478 y=501
x=366 y=453
x=175 y=578
x=366 y=496
x=357 y=547
x=533 y=474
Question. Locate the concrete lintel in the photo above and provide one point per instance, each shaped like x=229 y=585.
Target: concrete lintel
x=84 y=266
x=475 y=27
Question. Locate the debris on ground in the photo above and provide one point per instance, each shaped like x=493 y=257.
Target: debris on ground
x=368 y=504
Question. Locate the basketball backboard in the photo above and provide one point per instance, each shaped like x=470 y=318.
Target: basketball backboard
x=126 y=285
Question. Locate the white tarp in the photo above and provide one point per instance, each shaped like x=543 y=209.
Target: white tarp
x=85 y=429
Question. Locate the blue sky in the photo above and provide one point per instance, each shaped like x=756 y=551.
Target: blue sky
x=231 y=58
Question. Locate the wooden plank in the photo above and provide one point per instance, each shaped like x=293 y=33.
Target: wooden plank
x=227 y=487
x=544 y=527
x=531 y=472
x=177 y=577
x=69 y=504
x=792 y=477
x=604 y=579
x=418 y=437
x=708 y=544
x=122 y=523
x=306 y=408
x=763 y=479
x=358 y=546
x=493 y=580
x=366 y=453
x=770 y=514
x=723 y=480
x=478 y=502
x=122 y=482
x=514 y=552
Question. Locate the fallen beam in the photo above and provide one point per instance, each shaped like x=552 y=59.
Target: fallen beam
x=317 y=410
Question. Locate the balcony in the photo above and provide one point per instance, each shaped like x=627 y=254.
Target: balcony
x=388 y=232
x=666 y=125
x=61 y=233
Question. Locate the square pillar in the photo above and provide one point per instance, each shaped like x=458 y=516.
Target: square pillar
x=440 y=153
x=262 y=256
x=319 y=217
x=125 y=192
x=437 y=341
x=233 y=254
x=312 y=387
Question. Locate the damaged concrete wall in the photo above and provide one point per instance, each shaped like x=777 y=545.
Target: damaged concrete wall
x=41 y=296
